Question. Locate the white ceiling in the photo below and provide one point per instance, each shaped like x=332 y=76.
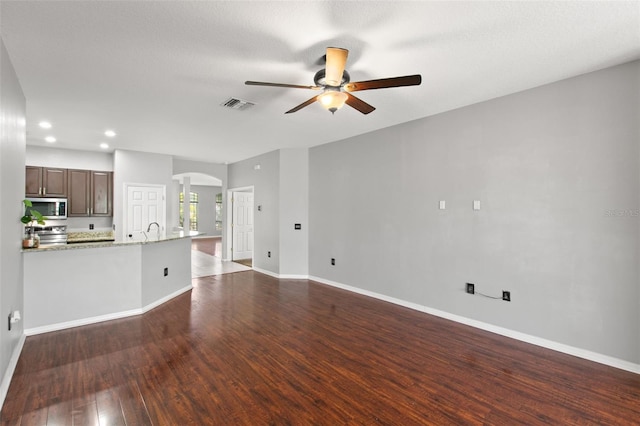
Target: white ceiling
x=157 y=72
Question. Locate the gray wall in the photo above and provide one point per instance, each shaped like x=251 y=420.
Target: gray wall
x=12 y=162
x=556 y=169
x=266 y=194
x=174 y=255
x=69 y=158
x=140 y=168
x=56 y=301
x=294 y=208
x=281 y=188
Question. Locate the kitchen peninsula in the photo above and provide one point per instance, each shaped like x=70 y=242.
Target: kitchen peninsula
x=76 y=284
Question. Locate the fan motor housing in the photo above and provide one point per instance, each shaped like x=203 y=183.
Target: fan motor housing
x=319 y=78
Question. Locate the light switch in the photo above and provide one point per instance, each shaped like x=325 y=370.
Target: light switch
x=443 y=205
x=476 y=204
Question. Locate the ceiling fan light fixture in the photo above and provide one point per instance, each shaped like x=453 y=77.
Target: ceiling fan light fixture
x=336 y=86
x=333 y=100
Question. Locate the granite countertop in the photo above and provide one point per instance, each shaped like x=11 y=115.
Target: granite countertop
x=151 y=239
x=90 y=236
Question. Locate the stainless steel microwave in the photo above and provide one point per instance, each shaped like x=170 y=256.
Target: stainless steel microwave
x=50 y=208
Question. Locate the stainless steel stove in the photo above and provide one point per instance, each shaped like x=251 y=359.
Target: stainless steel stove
x=50 y=235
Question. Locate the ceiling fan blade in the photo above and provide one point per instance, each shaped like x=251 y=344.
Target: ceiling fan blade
x=290 y=86
x=302 y=105
x=336 y=61
x=359 y=104
x=383 y=83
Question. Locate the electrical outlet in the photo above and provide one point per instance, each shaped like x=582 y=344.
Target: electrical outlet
x=506 y=296
x=268 y=254
x=166 y=271
x=471 y=288
x=333 y=261
x=9 y=322
x=91 y=226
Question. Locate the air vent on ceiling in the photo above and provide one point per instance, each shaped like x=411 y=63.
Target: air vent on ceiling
x=238 y=104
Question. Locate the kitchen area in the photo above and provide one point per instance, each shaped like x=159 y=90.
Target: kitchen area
x=83 y=271
x=74 y=192
x=62 y=194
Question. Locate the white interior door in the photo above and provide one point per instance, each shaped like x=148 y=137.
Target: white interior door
x=145 y=204
x=242 y=224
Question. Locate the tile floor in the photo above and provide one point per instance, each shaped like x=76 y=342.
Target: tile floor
x=203 y=264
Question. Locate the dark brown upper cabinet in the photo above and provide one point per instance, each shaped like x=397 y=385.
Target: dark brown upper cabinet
x=46 y=182
x=90 y=193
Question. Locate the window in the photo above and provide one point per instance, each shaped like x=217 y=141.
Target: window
x=193 y=210
x=219 y=212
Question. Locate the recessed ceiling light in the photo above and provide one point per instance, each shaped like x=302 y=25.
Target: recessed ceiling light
x=50 y=139
x=44 y=124
x=110 y=133
x=104 y=145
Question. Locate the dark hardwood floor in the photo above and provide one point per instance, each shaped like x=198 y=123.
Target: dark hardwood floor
x=248 y=349
x=209 y=245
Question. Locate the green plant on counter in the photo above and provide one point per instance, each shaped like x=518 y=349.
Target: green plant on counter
x=31 y=216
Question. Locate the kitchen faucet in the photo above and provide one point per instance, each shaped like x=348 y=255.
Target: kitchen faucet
x=156 y=223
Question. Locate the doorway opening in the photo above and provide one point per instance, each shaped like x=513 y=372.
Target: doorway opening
x=204 y=207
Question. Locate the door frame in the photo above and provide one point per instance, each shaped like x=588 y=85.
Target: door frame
x=229 y=220
x=125 y=211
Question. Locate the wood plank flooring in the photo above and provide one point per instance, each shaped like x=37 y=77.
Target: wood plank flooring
x=209 y=245
x=248 y=349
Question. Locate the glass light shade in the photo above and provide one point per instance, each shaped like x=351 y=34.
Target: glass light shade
x=336 y=61
x=333 y=100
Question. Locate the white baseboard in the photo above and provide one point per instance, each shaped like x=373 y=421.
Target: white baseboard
x=11 y=368
x=81 y=322
x=281 y=276
x=106 y=317
x=264 y=271
x=293 y=277
x=165 y=299
x=538 y=341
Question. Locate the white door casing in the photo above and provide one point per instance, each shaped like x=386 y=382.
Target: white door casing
x=144 y=204
x=242 y=243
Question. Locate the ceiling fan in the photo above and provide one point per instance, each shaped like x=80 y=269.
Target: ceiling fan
x=334 y=81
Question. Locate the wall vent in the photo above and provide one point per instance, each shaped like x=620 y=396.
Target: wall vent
x=237 y=104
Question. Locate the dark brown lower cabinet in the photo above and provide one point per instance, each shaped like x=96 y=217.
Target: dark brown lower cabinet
x=90 y=193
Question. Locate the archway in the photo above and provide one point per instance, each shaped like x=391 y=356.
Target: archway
x=203 y=201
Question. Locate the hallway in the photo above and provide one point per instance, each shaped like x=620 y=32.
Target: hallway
x=206 y=258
